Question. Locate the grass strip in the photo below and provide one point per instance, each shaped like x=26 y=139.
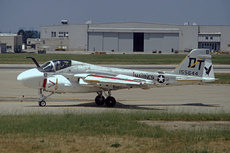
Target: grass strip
x=222 y=78
x=109 y=132
x=100 y=124
x=107 y=59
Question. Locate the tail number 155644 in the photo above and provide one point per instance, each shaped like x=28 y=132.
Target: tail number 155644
x=187 y=72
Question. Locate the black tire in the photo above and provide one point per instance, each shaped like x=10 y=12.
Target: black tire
x=110 y=101
x=100 y=100
x=42 y=103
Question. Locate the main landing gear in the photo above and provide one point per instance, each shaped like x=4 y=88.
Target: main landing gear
x=109 y=101
x=42 y=99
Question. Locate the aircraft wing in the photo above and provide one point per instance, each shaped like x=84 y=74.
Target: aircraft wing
x=113 y=82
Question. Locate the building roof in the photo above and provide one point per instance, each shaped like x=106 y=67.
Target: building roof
x=7 y=34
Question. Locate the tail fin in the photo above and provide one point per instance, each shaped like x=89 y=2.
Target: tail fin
x=197 y=63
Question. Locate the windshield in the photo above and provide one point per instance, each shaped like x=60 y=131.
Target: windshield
x=61 y=64
x=55 y=65
x=47 y=67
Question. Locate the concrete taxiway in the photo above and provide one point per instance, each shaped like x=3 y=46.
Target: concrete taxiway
x=17 y=99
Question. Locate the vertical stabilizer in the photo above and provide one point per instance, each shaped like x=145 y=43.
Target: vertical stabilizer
x=197 y=63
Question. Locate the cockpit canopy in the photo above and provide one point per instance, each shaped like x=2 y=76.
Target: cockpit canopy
x=55 y=65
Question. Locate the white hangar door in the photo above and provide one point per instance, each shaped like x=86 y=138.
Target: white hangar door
x=164 y=42
x=95 y=41
x=125 y=42
x=117 y=41
x=110 y=41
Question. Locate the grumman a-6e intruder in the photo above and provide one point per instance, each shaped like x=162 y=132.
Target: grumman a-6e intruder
x=68 y=76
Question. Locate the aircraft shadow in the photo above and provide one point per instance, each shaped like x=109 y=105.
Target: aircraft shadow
x=136 y=107
x=117 y=106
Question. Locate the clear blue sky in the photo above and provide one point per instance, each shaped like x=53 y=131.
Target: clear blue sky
x=31 y=14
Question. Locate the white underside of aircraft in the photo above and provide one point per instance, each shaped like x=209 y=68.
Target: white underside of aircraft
x=69 y=76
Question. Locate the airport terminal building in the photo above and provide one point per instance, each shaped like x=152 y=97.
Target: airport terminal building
x=134 y=37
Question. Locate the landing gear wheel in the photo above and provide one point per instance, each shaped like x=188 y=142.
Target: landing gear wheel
x=110 y=101
x=42 y=103
x=100 y=100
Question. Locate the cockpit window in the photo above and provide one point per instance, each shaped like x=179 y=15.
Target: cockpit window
x=47 y=67
x=55 y=65
x=61 y=64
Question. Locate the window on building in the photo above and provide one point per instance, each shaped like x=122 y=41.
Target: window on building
x=61 y=34
x=9 y=47
x=66 y=34
x=53 y=34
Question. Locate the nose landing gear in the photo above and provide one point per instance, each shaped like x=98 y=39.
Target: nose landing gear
x=42 y=103
x=42 y=99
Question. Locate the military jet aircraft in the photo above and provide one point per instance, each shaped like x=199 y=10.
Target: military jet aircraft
x=69 y=76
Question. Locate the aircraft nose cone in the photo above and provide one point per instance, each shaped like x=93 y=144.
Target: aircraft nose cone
x=31 y=78
x=20 y=77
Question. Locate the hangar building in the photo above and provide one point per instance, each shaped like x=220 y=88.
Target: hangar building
x=13 y=42
x=134 y=37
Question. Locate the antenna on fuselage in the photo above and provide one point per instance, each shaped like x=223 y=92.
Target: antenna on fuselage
x=34 y=60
